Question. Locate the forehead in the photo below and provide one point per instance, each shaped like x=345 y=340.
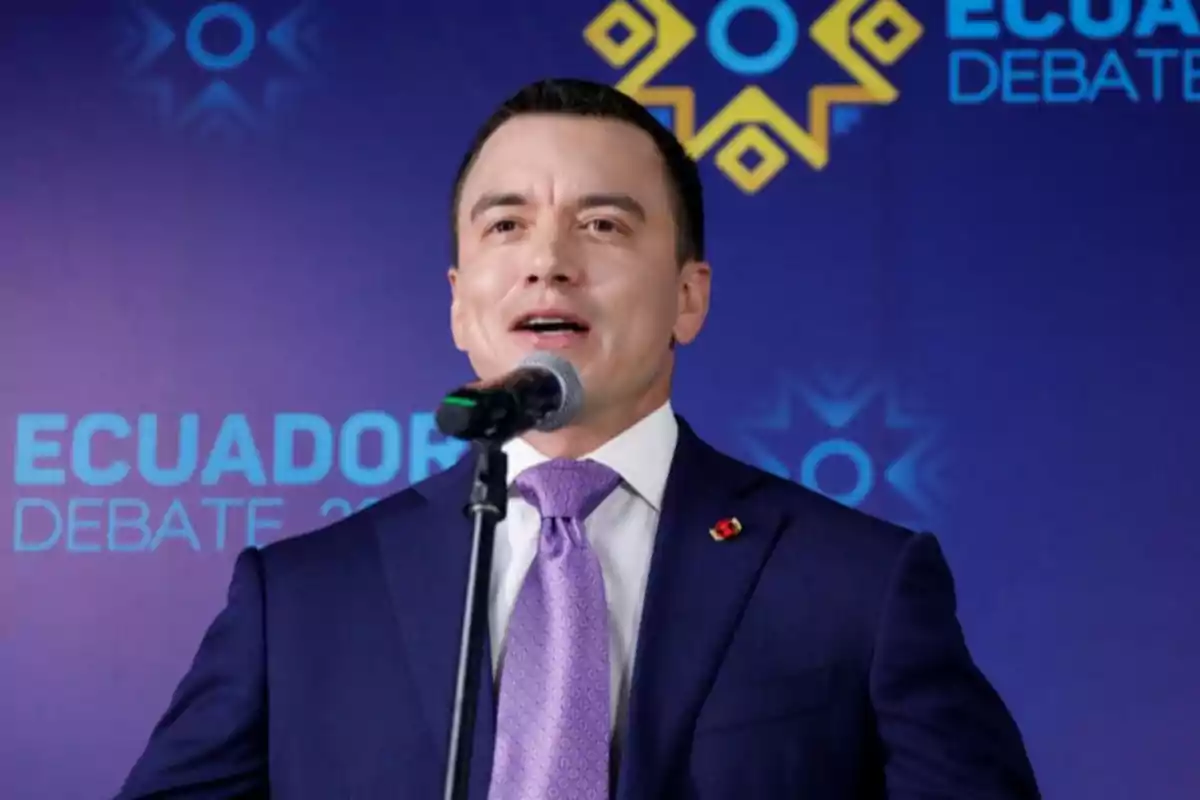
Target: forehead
x=552 y=157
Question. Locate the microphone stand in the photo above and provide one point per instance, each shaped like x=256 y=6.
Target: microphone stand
x=488 y=505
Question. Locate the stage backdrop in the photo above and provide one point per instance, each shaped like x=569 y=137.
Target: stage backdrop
x=954 y=248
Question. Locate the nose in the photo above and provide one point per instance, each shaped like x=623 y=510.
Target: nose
x=551 y=261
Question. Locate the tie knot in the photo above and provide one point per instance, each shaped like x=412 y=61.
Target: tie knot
x=564 y=487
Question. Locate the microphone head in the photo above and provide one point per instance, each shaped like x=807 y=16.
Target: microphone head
x=569 y=384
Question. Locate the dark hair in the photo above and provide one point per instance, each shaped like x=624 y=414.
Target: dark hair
x=583 y=98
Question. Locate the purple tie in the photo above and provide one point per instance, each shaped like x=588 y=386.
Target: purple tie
x=553 y=728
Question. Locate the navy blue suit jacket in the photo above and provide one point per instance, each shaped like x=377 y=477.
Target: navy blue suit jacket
x=816 y=655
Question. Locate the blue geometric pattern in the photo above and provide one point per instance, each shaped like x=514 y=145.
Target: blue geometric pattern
x=844 y=119
x=663 y=115
x=852 y=439
x=224 y=106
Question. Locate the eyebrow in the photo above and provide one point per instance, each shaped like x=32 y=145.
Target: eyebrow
x=614 y=200
x=609 y=199
x=494 y=200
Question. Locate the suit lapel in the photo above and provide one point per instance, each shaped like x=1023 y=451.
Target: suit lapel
x=426 y=544
x=694 y=598
x=695 y=594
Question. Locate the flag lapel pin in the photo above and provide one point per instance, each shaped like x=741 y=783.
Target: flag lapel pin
x=725 y=529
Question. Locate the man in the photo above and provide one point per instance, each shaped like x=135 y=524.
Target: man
x=662 y=616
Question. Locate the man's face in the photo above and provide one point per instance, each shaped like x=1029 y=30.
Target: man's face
x=566 y=242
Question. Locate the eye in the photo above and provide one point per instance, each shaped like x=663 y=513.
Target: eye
x=501 y=226
x=603 y=225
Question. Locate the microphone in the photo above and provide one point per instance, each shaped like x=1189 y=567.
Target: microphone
x=543 y=393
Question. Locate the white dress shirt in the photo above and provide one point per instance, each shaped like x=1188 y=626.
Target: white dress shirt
x=621 y=530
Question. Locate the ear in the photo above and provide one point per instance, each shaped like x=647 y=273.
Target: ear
x=456 y=314
x=695 y=284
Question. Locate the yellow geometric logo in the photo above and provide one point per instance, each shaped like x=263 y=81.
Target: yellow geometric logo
x=751 y=112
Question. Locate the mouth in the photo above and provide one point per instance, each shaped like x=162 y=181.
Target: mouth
x=551 y=328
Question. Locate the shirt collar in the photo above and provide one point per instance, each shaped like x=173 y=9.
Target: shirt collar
x=641 y=454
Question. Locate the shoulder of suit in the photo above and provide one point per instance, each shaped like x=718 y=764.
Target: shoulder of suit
x=344 y=537
x=814 y=512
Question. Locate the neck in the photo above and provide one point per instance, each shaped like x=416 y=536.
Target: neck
x=576 y=441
